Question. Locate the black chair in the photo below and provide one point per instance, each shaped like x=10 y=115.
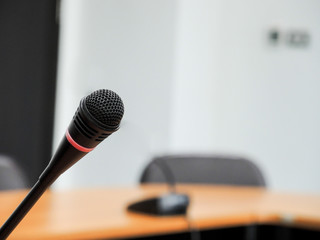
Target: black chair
x=11 y=176
x=206 y=169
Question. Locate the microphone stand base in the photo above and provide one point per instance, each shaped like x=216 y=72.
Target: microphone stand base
x=166 y=205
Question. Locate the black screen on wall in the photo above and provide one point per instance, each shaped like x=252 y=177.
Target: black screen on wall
x=28 y=63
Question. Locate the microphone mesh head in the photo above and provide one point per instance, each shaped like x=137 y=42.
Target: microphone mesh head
x=105 y=106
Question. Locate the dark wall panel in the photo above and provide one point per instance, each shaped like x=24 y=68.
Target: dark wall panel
x=28 y=60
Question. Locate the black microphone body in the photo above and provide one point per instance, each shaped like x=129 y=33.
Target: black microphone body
x=97 y=117
x=83 y=134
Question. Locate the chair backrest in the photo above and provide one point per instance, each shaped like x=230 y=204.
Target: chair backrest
x=11 y=176
x=205 y=169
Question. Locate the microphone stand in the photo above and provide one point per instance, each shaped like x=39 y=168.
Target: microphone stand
x=59 y=163
x=24 y=207
x=168 y=175
x=169 y=204
x=166 y=205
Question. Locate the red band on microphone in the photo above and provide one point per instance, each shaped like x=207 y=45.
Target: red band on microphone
x=76 y=145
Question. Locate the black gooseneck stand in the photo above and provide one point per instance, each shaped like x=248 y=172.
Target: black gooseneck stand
x=169 y=204
x=64 y=158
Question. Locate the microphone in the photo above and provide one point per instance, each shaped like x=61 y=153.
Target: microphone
x=170 y=204
x=97 y=117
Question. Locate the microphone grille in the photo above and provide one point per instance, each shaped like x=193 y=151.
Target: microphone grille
x=105 y=106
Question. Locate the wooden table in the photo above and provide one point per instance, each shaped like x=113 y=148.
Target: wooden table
x=101 y=213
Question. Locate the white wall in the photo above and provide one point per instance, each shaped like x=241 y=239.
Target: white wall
x=237 y=93
x=195 y=76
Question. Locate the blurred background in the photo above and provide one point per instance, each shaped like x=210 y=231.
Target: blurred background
x=196 y=76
